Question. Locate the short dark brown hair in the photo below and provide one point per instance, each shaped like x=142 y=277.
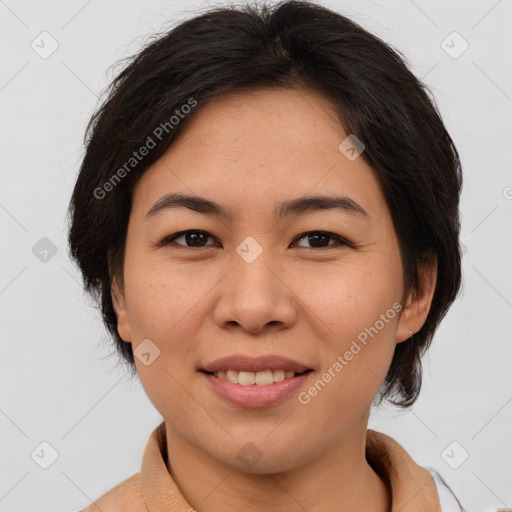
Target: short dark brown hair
x=289 y=44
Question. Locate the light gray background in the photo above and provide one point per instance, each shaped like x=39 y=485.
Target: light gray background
x=56 y=383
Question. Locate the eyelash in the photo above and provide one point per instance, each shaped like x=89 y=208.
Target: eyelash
x=170 y=239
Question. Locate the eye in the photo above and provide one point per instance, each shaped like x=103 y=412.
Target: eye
x=193 y=237
x=317 y=239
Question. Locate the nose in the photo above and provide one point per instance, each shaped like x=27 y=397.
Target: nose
x=256 y=297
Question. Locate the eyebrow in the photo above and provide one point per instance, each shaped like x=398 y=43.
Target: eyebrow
x=297 y=206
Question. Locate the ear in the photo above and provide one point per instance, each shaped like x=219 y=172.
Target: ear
x=119 y=302
x=418 y=302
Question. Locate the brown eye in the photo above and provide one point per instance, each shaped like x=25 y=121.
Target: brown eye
x=197 y=239
x=320 y=239
x=191 y=238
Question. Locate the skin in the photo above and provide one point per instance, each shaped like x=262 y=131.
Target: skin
x=199 y=303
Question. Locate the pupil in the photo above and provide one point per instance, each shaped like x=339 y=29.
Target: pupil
x=192 y=236
x=313 y=239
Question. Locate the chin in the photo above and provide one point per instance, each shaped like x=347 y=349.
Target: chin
x=261 y=457
x=263 y=467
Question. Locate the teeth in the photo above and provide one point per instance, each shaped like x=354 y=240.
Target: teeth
x=279 y=375
x=263 y=378
x=246 y=378
x=232 y=376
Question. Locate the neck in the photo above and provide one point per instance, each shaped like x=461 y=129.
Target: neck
x=340 y=480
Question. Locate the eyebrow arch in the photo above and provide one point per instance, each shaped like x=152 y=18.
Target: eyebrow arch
x=297 y=206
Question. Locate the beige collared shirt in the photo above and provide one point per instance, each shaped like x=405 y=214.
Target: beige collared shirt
x=154 y=490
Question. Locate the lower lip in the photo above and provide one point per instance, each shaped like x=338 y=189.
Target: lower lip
x=255 y=396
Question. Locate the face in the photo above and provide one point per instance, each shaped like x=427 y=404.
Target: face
x=321 y=287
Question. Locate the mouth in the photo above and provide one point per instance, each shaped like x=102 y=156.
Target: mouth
x=260 y=378
x=249 y=382
x=253 y=390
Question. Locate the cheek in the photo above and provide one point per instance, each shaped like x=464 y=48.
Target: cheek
x=161 y=309
x=166 y=300
x=362 y=310
x=167 y=305
x=160 y=298
x=356 y=362
x=352 y=298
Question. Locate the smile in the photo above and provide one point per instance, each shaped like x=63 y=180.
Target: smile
x=262 y=378
x=251 y=390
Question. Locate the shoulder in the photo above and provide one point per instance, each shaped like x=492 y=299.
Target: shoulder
x=124 y=497
x=447 y=500
x=407 y=478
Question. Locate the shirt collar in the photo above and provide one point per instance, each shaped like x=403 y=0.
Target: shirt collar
x=412 y=487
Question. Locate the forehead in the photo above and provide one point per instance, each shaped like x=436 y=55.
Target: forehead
x=260 y=146
x=293 y=116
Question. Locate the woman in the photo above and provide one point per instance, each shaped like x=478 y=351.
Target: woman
x=267 y=212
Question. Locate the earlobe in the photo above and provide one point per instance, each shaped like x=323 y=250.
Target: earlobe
x=119 y=303
x=418 y=302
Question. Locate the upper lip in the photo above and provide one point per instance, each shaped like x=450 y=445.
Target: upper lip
x=255 y=364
